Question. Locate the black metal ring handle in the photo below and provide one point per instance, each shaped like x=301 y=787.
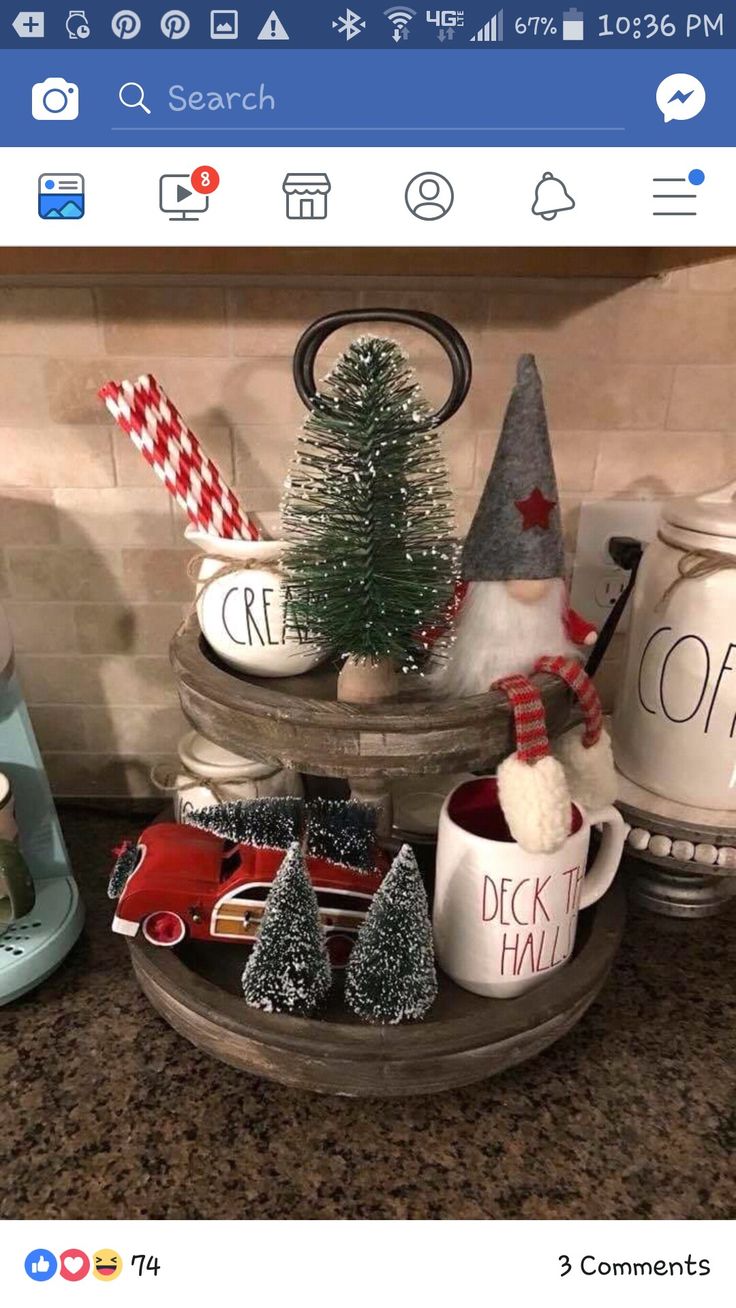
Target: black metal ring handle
x=448 y=336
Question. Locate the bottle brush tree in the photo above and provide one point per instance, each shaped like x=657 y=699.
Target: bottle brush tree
x=370 y=560
x=391 y=975
x=289 y=968
x=269 y=823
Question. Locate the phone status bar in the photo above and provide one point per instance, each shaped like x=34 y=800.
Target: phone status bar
x=328 y=24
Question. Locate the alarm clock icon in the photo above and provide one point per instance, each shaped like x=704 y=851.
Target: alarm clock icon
x=77 y=25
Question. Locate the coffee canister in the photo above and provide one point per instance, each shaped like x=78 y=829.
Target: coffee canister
x=675 y=719
x=210 y=775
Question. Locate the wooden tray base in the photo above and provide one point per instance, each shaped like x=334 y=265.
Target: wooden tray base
x=464 y=1038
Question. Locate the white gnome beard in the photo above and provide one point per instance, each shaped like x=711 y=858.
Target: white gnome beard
x=496 y=635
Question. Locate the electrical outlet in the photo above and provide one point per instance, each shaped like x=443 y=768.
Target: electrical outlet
x=596 y=581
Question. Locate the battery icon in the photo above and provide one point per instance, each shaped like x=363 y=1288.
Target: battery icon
x=573 y=25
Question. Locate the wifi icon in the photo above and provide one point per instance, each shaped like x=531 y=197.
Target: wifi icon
x=400 y=19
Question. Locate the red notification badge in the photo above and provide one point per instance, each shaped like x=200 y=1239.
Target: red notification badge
x=205 y=180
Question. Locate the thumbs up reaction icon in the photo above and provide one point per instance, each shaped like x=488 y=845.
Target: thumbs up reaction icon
x=41 y=1265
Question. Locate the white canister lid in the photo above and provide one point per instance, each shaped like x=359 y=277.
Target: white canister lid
x=711 y=514
x=203 y=758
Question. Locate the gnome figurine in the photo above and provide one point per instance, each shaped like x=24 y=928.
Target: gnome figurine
x=515 y=619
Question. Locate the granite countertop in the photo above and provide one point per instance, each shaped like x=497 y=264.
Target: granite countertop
x=108 y=1113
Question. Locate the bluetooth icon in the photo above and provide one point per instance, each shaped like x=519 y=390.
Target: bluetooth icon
x=350 y=25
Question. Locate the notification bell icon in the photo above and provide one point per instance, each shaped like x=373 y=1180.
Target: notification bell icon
x=551 y=198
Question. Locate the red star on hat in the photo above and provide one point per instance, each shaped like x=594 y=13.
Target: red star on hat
x=535 y=510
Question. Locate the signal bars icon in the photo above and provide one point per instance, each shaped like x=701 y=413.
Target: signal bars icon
x=400 y=18
x=490 y=31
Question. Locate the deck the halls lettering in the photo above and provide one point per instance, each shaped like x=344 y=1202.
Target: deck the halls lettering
x=675 y=720
x=537 y=917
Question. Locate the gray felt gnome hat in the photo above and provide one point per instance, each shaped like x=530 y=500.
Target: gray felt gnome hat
x=516 y=532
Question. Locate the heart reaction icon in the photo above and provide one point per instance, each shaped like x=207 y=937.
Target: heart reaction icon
x=73 y=1265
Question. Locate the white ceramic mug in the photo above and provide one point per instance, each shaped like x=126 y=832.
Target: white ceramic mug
x=505 y=919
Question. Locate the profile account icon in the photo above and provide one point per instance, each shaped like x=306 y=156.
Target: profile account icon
x=429 y=196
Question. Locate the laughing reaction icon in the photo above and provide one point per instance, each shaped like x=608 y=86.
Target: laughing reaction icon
x=107 y=1265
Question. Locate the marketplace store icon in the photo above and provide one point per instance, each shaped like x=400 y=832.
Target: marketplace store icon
x=306 y=195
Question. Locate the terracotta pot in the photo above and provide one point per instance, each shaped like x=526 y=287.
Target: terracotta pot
x=244 y=612
x=505 y=919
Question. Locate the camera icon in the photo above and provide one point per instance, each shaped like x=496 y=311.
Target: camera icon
x=55 y=99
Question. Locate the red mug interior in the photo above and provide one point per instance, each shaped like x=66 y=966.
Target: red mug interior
x=475 y=808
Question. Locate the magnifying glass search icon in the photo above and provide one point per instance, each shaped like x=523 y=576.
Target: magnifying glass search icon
x=132 y=95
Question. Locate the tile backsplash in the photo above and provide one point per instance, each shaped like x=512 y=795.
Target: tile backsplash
x=640 y=381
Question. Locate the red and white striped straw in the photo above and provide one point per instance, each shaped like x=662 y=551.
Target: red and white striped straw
x=146 y=414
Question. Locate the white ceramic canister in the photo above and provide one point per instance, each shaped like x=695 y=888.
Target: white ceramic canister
x=244 y=611
x=8 y=825
x=504 y=920
x=212 y=775
x=674 y=729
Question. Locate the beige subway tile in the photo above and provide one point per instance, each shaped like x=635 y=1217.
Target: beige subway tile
x=69 y=574
x=4 y=577
x=262 y=456
x=57 y=727
x=108 y=679
x=268 y=320
x=132 y=469
x=703 y=399
x=55 y=456
x=713 y=275
x=125 y=628
x=653 y=464
x=459 y=448
x=23 y=391
x=164 y=320
x=552 y=324
x=605 y=395
x=193 y=384
x=157 y=574
x=118 y=516
x=47 y=320
x=676 y=329
x=40 y=628
x=130 y=730
x=465 y=307
x=28 y=517
x=96 y=776
x=260 y=392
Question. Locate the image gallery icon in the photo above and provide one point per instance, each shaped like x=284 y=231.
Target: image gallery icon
x=55 y=100
x=223 y=24
x=61 y=195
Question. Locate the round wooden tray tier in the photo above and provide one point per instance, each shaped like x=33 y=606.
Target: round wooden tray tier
x=299 y=721
x=464 y=1037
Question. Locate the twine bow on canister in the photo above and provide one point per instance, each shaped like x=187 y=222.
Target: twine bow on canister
x=695 y=565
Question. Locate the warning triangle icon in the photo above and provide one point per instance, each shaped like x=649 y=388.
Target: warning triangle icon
x=273 y=29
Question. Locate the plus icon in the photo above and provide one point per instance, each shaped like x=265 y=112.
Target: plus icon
x=29 y=23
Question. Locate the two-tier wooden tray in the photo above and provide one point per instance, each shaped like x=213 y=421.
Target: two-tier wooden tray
x=465 y=1038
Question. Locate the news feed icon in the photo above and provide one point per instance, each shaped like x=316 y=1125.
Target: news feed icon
x=55 y=100
x=61 y=195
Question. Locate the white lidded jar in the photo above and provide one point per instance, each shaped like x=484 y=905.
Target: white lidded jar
x=675 y=718
x=243 y=607
x=212 y=775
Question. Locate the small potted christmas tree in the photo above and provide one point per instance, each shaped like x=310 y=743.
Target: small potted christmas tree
x=289 y=968
x=370 y=561
x=391 y=975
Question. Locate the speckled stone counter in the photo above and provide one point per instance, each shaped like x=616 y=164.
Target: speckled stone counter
x=108 y=1113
